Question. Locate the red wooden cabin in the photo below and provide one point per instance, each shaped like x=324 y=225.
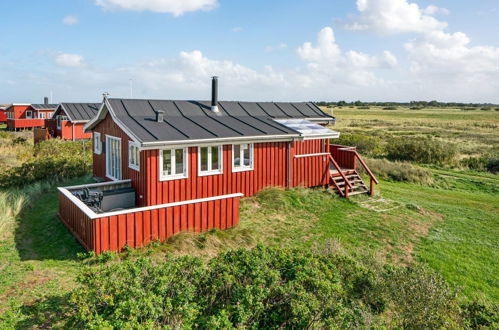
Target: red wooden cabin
x=22 y=116
x=70 y=119
x=173 y=166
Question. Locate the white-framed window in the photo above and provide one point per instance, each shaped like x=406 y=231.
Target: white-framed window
x=210 y=160
x=173 y=164
x=59 y=121
x=133 y=155
x=97 y=143
x=49 y=115
x=42 y=115
x=242 y=157
x=113 y=157
x=29 y=114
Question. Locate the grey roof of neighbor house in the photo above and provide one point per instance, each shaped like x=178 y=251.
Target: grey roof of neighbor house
x=194 y=120
x=81 y=112
x=44 y=106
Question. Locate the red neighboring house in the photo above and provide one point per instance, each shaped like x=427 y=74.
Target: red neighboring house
x=176 y=166
x=70 y=118
x=22 y=116
x=3 y=114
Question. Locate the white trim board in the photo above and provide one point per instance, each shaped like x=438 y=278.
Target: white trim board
x=312 y=155
x=92 y=215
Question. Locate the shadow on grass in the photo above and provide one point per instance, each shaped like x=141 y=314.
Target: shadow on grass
x=44 y=313
x=40 y=235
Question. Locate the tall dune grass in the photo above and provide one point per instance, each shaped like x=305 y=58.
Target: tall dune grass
x=11 y=205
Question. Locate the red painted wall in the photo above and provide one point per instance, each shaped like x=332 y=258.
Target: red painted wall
x=139 y=228
x=3 y=116
x=270 y=169
x=67 y=130
x=20 y=120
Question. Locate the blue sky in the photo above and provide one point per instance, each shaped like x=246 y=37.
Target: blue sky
x=372 y=50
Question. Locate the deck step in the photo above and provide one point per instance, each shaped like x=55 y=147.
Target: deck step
x=358 y=192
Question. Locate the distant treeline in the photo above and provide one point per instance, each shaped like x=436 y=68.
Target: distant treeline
x=421 y=104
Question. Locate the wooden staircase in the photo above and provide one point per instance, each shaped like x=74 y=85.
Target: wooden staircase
x=348 y=182
x=357 y=185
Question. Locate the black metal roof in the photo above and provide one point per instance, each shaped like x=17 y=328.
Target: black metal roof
x=79 y=111
x=194 y=120
x=44 y=106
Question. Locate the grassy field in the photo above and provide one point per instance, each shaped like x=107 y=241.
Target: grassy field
x=475 y=131
x=451 y=225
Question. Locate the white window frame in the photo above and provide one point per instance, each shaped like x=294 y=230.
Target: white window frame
x=29 y=114
x=131 y=145
x=98 y=145
x=42 y=115
x=210 y=171
x=243 y=167
x=175 y=176
x=120 y=154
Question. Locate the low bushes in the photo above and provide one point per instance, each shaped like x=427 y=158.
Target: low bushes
x=369 y=145
x=265 y=288
x=423 y=150
x=53 y=160
x=399 y=171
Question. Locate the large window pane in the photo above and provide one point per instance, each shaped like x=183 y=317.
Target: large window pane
x=179 y=161
x=167 y=162
x=246 y=155
x=215 y=165
x=237 y=155
x=204 y=158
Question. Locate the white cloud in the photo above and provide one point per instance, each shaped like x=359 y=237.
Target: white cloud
x=237 y=29
x=70 y=60
x=434 y=10
x=280 y=46
x=327 y=60
x=394 y=16
x=174 y=7
x=70 y=20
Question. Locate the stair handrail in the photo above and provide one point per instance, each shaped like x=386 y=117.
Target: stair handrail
x=368 y=170
x=338 y=168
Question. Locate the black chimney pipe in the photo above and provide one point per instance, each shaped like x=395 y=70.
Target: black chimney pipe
x=159 y=116
x=46 y=100
x=214 y=93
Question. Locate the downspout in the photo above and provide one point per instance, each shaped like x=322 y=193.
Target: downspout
x=289 y=166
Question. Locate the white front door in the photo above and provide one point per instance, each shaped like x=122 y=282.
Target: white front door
x=113 y=157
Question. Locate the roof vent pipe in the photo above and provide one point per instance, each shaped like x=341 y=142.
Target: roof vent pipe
x=45 y=100
x=214 y=94
x=159 y=116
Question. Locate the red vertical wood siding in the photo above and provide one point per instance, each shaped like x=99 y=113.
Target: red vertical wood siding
x=78 y=223
x=113 y=233
x=68 y=128
x=312 y=170
x=344 y=158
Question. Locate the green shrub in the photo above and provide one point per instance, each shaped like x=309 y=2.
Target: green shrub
x=483 y=163
x=479 y=315
x=43 y=169
x=390 y=108
x=365 y=144
x=266 y=287
x=421 y=299
x=53 y=160
x=399 y=171
x=423 y=150
x=259 y=288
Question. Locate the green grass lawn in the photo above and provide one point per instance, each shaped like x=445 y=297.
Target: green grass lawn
x=451 y=230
